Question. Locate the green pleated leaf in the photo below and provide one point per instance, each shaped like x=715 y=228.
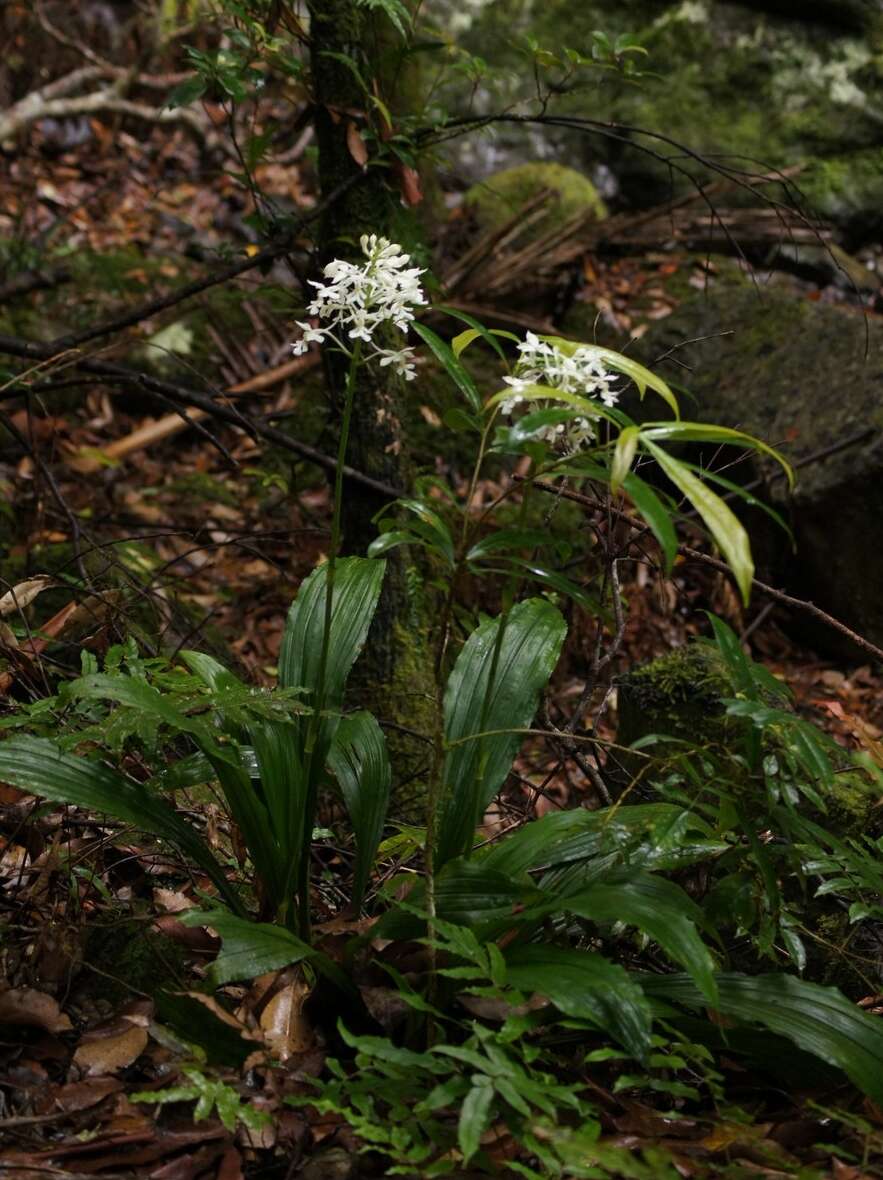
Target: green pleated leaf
x=210 y=671
x=503 y=539
x=452 y=366
x=724 y=526
x=248 y=948
x=253 y=820
x=37 y=765
x=271 y=818
x=357 y=583
x=430 y=526
x=658 y=908
x=585 y=985
x=279 y=765
x=661 y=836
x=551 y=580
x=467 y=893
x=475 y=1116
x=359 y=760
x=818 y=1019
x=390 y=540
x=474 y=770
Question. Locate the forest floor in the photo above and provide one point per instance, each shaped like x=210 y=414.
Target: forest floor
x=206 y=537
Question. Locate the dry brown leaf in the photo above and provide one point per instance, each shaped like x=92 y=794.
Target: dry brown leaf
x=386 y=1006
x=230 y=1167
x=355 y=144
x=172 y=901
x=110 y=1048
x=192 y=938
x=23 y=594
x=222 y=1014
x=286 y=1030
x=74 y=1096
x=409 y=185
x=25 y=1005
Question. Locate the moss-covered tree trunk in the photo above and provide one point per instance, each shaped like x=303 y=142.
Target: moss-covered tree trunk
x=394 y=676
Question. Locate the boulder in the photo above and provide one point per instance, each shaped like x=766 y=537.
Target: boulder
x=747 y=79
x=808 y=378
x=681 y=695
x=495 y=200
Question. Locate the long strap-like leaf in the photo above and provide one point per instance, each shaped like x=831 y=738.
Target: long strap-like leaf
x=530 y=647
x=36 y=764
x=359 y=760
x=818 y=1019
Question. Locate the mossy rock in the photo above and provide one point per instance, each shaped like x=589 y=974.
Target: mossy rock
x=746 y=79
x=803 y=376
x=495 y=200
x=678 y=695
x=681 y=695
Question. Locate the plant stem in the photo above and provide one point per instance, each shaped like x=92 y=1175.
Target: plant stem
x=312 y=744
x=433 y=799
x=510 y=591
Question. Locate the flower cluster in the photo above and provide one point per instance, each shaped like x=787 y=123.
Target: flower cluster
x=357 y=300
x=581 y=372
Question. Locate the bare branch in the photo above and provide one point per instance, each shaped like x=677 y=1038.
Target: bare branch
x=110 y=100
x=780 y=596
x=180 y=395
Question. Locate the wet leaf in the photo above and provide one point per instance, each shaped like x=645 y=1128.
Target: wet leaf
x=286 y=1030
x=111 y=1048
x=25 y=1005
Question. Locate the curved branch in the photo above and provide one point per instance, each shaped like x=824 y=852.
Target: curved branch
x=143 y=311
x=186 y=398
x=108 y=101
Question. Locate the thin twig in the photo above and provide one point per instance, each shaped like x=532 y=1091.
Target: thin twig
x=800 y=604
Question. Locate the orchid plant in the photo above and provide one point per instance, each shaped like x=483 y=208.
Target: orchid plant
x=488 y=915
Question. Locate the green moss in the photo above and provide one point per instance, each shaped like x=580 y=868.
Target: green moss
x=131 y=957
x=845 y=186
x=495 y=200
x=678 y=695
x=722 y=77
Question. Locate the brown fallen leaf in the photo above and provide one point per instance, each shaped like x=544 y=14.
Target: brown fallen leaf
x=230 y=1167
x=222 y=1014
x=25 y=1005
x=192 y=938
x=188 y=1167
x=110 y=1047
x=286 y=1030
x=355 y=144
x=74 y=1096
x=23 y=594
x=409 y=185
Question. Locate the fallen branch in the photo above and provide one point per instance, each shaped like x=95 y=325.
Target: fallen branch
x=57 y=101
x=33 y=281
x=188 y=399
x=171 y=424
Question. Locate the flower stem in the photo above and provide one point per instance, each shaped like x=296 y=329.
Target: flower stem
x=312 y=746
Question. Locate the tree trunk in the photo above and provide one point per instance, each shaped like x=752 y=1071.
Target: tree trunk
x=394 y=676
